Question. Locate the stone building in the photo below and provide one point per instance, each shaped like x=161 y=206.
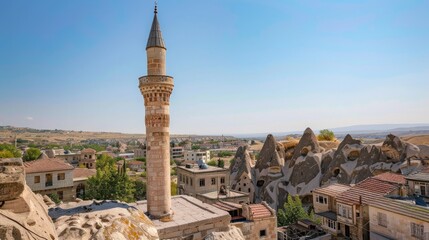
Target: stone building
x=194 y=180
x=177 y=153
x=46 y=176
x=352 y=204
x=325 y=206
x=196 y=155
x=397 y=219
x=419 y=183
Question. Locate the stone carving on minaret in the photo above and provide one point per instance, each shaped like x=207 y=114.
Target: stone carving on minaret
x=156 y=89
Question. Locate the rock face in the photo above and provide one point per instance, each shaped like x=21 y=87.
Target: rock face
x=233 y=233
x=12 y=181
x=242 y=174
x=23 y=214
x=309 y=166
x=272 y=154
x=101 y=220
x=307 y=144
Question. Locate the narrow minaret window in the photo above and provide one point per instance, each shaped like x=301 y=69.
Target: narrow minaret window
x=157 y=120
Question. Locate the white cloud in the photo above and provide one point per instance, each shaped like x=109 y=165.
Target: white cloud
x=29 y=118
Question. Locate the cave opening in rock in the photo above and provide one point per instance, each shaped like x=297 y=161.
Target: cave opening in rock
x=260 y=183
x=304 y=151
x=336 y=172
x=353 y=155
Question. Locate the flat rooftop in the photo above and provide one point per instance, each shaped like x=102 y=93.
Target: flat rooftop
x=216 y=195
x=196 y=169
x=189 y=213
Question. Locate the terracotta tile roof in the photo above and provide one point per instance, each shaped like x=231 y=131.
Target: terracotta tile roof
x=47 y=165
x=259 y=211
x=367 y=190
x=391 y=177
x=88 y=150
x=83 y=173
x=332 y=190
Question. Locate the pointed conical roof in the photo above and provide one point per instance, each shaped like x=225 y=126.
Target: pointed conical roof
x=155 y=36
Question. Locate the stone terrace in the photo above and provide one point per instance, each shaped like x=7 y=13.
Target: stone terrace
x=191 y=217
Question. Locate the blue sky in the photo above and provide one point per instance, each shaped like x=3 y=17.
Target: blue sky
x=242 y=66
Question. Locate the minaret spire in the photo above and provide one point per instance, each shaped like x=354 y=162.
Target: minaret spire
x=155 y=36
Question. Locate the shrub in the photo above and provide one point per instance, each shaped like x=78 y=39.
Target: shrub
x=326 y=135
x=54 y=197
x=212 y=163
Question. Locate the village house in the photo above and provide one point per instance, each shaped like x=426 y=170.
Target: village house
x=352 y=205
x=196 y=155
x=419 y=183
x=403 y=218
x=177 y=152
x=256 y=221
x=194 y=180
x=325 y=206
x=48 y=176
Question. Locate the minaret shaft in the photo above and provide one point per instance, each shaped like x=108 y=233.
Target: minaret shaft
x=156 y=89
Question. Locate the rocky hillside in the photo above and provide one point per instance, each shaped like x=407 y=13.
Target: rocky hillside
x=299 y=167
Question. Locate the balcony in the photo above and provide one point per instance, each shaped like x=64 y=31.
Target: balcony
x=48 y=184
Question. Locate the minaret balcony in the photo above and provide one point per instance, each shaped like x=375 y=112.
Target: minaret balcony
x=156 y=79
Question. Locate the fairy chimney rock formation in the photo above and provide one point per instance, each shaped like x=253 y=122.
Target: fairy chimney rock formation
x=272 y=154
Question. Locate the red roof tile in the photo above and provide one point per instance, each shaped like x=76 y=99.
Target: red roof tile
x=391 y=177
x=259 y=211
x=368 y=189
x=47 y=165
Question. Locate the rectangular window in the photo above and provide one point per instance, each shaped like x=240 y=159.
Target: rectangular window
x=186 y=180
x=417 y=230
x=213 y=181
x=202 y=182
x=320 y=199
x=382 y=219
x=61 y=176
x=325 y=200
x=331 y=224
x=36 y=179
x=191 y=181
x=262 y=233
x=222 y=180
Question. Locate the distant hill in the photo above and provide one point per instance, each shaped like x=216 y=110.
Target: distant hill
x=358 y=131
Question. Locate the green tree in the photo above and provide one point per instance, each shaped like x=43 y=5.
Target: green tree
x=221 y=163
x=212 y=163
x=9 y=151
x=326 y=135
x=292 y=212
x=110 y=182
x=173 y=188
x=140 y=190
x=31 y=154
x=195 y=147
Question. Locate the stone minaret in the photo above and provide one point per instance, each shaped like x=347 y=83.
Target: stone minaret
x=156 y=89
